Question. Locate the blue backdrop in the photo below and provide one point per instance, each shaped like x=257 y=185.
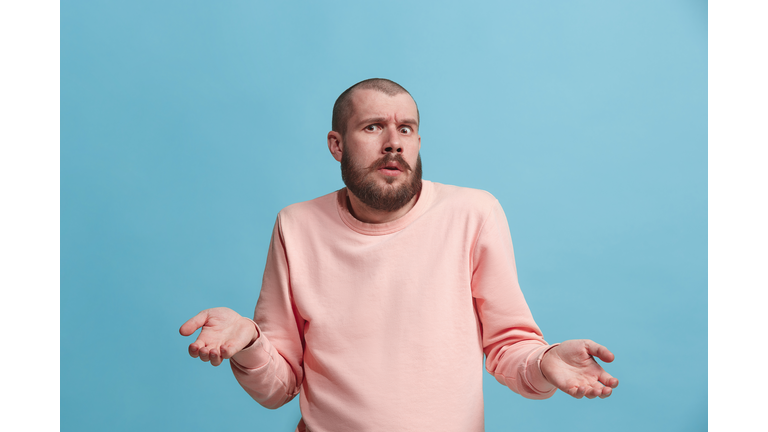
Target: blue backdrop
x=187 y=125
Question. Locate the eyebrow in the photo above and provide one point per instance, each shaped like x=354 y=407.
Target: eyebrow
x=408 y=121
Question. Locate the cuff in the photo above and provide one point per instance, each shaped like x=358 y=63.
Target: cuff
x=256 y=354
x=536 y=376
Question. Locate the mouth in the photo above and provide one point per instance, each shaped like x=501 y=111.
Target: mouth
x=391 y=168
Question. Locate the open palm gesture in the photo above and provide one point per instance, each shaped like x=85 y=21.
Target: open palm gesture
x=224 y=334
x=571 y=366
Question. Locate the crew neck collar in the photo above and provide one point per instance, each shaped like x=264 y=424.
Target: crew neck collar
x=386 y=227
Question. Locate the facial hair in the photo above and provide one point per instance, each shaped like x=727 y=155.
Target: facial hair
x=387 y=198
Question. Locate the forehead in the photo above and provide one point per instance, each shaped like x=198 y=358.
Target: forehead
x=372 y=103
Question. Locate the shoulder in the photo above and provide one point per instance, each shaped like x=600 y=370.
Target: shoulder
x=463 y=198
x=309 y=212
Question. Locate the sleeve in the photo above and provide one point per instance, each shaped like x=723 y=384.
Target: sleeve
x=271 y=369
x=512 y=342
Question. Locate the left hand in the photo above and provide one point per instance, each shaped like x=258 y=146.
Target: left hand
x=572 y=368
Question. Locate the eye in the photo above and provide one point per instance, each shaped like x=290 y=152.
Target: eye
x=372 y=128
x=405 y=130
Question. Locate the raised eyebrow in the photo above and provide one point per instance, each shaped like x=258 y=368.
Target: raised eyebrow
x=372 y=120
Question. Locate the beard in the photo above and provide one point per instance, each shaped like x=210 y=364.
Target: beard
x=388 y=198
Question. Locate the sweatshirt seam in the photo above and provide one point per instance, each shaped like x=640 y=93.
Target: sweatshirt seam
x=477 y=241
x=290 y=293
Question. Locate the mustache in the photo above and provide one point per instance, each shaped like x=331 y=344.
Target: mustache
x=389 y=157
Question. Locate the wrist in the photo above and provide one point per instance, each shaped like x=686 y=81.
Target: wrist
x=541 y=361
x=254 y=329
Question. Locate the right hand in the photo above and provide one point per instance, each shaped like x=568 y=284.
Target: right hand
x=224 y=334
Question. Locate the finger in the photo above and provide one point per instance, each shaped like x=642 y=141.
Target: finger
x=608 y=380
x=581 y=392
x=214 y=354
x=606 y=392
x=215 y=358
x=228 y=350
x=595 y=391
x=577 y=392
x=204 y=353
x=194 y=349
x=194 y=323
x=599 y=351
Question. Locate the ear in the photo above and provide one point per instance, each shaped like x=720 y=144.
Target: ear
x=335 y=145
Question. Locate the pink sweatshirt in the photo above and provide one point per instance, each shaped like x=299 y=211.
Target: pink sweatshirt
x=382 y=327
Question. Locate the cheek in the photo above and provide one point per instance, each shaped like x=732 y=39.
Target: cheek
x=412 y=156
x=364 y=156
x=357 y=160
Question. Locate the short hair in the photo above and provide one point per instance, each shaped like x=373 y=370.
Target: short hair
x=342 y=109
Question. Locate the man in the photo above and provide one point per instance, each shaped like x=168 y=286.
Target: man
x=379 y=300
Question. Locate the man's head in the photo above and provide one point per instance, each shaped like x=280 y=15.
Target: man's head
x=375 y=137
x=342 y=109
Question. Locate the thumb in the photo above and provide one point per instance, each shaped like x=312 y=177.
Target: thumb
x=194 y=323
x=599 y=351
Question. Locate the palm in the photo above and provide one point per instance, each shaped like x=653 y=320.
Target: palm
x=224 y=333
x=572 y=368
x=221 y=326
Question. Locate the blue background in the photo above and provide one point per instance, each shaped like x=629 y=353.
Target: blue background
x=187 y=125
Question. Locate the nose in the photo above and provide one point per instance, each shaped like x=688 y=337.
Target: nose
x=392 y=143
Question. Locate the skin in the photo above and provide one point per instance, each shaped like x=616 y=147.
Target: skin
x=572 y=368
x=224 y=334
x=380 y=124
x=383 y=124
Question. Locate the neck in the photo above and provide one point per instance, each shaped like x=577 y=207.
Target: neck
x=366 y=214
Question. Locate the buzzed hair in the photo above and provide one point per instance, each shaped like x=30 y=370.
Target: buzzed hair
x=342 y=109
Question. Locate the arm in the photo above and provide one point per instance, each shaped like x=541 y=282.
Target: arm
x=271 y=370
x=512 y=342
x=516 y=352
x=266 y=354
